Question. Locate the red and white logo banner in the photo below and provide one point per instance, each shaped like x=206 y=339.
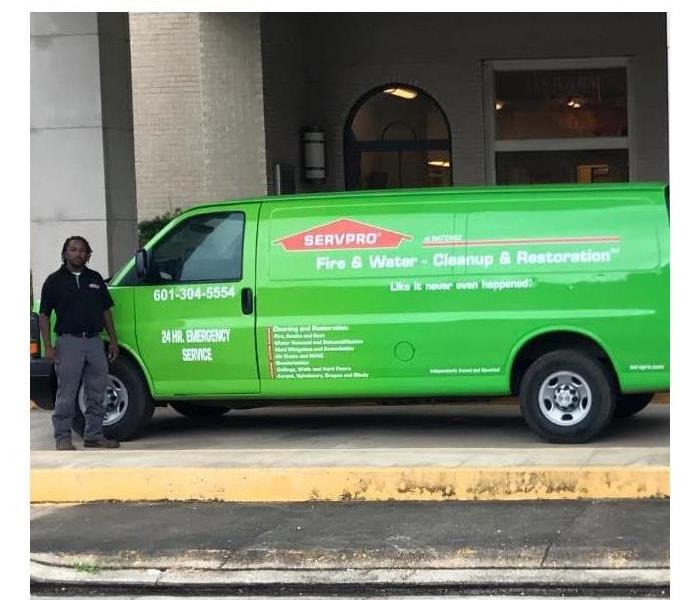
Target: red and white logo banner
x=343 y=234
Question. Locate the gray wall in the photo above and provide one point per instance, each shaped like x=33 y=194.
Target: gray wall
x=317 y=66
x=198 y=109
x=284 y=79
x=82 y=178
x=117 y=137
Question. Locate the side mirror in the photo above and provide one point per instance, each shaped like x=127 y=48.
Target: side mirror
x=142 y=264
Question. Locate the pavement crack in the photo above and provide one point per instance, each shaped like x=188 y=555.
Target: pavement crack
x=546 y=553
x=224 y=560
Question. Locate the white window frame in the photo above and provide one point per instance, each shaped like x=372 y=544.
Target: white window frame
x=556 y=144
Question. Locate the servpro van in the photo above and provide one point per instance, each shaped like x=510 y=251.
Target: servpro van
x=558 y=294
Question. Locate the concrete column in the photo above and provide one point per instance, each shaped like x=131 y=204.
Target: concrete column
x=82 y=174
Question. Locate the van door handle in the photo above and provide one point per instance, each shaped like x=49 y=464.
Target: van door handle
x=247 y=301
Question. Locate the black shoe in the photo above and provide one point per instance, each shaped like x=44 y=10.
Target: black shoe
x=64 y=444
x=101 y=442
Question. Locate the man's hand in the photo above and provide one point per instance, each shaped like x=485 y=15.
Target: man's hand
x=51 y=354
x=113 y=351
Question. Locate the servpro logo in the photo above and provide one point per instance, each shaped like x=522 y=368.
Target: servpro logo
x=343 y=234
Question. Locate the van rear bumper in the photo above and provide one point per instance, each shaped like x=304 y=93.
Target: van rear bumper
x=42 y=382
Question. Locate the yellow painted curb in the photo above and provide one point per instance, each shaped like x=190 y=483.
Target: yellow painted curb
x=348 y=483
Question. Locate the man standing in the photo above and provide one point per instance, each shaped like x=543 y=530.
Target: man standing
x=82 y=304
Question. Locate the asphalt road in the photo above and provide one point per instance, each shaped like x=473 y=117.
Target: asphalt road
x=339 y=549
x=475 y=425
x=441 y=597
x=567 y=534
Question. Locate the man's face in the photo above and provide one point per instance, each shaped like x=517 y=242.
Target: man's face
x=76 y=254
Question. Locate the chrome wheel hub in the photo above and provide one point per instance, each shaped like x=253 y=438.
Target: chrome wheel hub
x=565 y=398
x=115 y=400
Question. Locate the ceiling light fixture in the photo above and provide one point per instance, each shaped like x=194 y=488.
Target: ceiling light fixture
x=500 y=104
x=404 y=93
x=575 y=103
x=445 y=164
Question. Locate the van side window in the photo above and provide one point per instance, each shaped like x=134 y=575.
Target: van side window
x=202 y=248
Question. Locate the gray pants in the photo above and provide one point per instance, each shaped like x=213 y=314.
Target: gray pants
x=80 y=359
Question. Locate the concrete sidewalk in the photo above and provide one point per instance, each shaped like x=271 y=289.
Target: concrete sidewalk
x=331 y=547
x=354 y=453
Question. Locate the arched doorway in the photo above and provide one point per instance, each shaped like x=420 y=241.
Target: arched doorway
x=396 y=137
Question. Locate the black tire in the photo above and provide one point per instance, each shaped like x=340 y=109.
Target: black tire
x=139 y=408
x=199 y=411
x=630 y=404
x=600 y=405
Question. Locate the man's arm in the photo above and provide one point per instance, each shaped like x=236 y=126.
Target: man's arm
x=45 y=329
x=112 y=333
x=46 y=307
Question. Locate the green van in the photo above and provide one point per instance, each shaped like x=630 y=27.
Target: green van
x=558 y=294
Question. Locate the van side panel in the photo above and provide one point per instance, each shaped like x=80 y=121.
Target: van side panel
x=644 y=355
x=593 y=265
x=350 y=302
x=431 y=294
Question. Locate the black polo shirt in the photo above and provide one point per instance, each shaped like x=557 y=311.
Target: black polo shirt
x=78 y=301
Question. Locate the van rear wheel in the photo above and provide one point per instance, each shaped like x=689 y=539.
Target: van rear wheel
x=630 y=404
x=196 y=410
x=567 y=397
x=127 y=399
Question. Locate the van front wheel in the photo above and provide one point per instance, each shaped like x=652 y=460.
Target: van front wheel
x=567 y=397
x=127 y=400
